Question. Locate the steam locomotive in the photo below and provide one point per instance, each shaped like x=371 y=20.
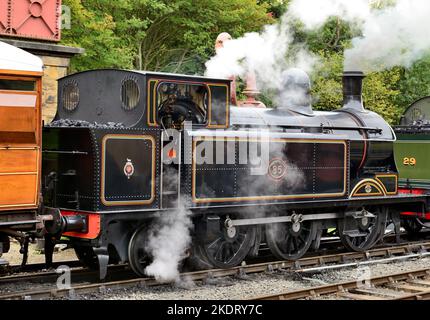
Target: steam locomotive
x=112 y=166
x=129 y=147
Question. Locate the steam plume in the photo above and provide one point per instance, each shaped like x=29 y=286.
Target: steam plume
x=264 y=53
x=396 y=35
x=168 y=240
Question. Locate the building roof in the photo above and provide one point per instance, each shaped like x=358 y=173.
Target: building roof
x=13 y=58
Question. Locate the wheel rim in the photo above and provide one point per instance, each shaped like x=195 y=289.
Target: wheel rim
x=228 y=247
x=138 y=258
x=289 y=241
x=362 y=234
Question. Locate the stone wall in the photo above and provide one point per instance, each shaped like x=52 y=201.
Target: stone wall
x=55 y=68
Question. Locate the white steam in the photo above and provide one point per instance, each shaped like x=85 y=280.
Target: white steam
x=168 y=240
x=264 y=53
x=395 y=35
x=392 y=35
x=314 y=13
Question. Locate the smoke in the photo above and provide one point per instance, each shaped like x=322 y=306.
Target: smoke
x=394 y=35
x=268 y=54
x=168 y=240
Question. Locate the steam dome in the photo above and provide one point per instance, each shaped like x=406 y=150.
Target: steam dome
x=295 y=91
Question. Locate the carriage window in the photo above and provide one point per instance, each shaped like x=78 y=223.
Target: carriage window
x=178 y=102
x=20 y=85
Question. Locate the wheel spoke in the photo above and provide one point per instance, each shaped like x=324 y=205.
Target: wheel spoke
x=286 y=243
x=231 y=253
x=212 y=244
x=301 y=238
x=289 y=245
x=219 y=251
x=295 y=244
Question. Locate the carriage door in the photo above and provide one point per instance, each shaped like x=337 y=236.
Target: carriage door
x=170 y=168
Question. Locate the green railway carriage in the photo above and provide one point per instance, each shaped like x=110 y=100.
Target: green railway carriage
x=413 y=159
x=412 y=153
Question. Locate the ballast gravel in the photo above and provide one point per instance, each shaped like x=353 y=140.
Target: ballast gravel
x=256 y=285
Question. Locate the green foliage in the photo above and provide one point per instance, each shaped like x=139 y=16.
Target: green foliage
x=327 y=82
x=196 y=25
x=276 y=7
x=414 y=83
x=94 y=31
x=159 y=35
x=379 y=89
x=333 y=36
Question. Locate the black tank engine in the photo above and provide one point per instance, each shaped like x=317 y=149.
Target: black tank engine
x=126 y=147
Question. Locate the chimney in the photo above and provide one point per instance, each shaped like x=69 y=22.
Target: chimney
x=251 y=92
x=353 y=90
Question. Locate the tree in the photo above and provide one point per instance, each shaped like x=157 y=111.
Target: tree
x=176 y=36
x=276 y=8
x=414 y=83
x=195 y=25
x=333 y=36
x=95 y=32
x=380 y=89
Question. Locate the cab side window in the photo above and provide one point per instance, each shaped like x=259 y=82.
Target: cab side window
x=179 y=102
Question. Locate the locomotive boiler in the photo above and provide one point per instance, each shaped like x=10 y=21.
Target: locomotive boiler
x=127 y=147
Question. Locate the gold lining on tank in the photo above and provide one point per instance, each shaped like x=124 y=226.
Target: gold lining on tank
x=395 y=176
x=262 y=198
x=127 y=137
x=371 y=182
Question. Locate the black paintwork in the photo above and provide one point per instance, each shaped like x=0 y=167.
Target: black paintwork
x=118 y=152
x=311 y=169
x=74 y=150
x=357 y=142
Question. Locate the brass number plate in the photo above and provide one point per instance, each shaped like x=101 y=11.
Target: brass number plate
x=409 y=162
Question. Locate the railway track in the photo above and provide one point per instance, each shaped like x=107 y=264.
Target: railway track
x=410 y=285
x=329 y=246
x=309 y=264
x=78 y=274
x=34 y=267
